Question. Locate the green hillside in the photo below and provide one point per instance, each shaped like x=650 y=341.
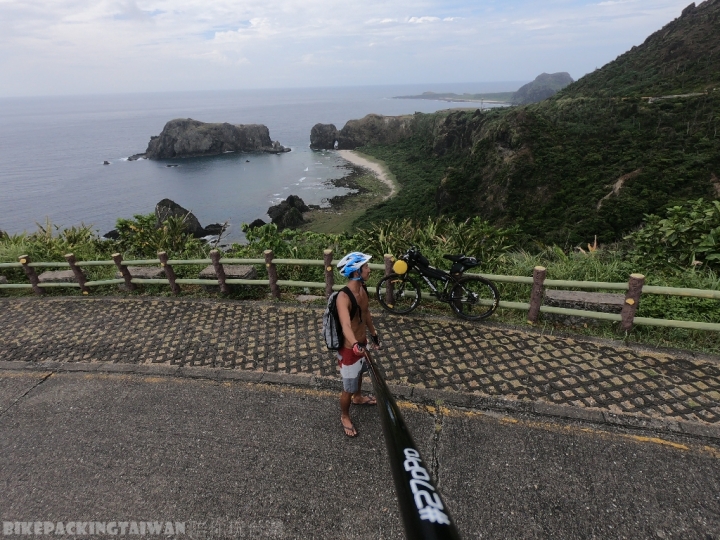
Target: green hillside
x=683 y=57
x=592 y=160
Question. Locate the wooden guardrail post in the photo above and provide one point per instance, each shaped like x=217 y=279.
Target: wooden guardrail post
x=632 y=301
x=329 y=276
x=389 y=296
x=169 y=272
x=124 y=272
x=219 y=271
x=272 y=273
x=536 y=296
x=30 y=273
x=388 y=260
x=79 y=275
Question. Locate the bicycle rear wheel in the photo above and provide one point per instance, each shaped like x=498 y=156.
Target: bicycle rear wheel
x=398 y=293
x=474 y=298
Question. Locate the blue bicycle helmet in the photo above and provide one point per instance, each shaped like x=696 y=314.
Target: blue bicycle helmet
x=352 y=262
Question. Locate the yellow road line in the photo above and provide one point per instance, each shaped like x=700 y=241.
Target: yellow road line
x=441 y=410
x=20 y=374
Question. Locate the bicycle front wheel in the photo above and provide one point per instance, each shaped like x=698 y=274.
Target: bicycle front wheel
x=398 y=293
x=474 y=298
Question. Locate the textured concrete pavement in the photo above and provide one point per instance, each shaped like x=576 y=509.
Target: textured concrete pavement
x=426 y=358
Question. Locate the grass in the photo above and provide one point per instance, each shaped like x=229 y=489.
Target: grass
x=345 y=210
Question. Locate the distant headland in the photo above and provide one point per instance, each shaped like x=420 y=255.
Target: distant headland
x=544 y=86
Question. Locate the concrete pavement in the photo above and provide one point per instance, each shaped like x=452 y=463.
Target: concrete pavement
x=426 y=358
x=232 y=459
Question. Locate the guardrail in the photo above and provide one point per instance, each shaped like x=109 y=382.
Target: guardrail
x=425 y=515
x=634 y=288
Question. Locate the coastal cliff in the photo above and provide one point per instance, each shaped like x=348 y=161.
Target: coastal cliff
x=444 y=131
x=373 y=128
x=185 y=137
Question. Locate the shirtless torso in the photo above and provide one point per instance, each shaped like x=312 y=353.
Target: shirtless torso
x=355 y=330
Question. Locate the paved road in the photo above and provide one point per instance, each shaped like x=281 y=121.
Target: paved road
x=223 y=415
x=233 y=459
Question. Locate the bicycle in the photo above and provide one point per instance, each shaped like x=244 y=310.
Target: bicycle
x=471 y=297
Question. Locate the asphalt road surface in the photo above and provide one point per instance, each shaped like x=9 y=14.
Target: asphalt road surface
x=242 y=460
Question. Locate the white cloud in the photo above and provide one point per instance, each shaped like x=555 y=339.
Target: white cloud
x=420 y=20
x=83 y=46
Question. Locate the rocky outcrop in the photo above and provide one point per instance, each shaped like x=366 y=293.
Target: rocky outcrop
x=323 y=136
x=257 y=223
x=288 y=214
x=167 y=208
x=371 y=129
x=185 y=137
x=215 y=229
x=544 y=86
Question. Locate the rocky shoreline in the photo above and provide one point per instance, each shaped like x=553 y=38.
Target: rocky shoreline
x=289 y=214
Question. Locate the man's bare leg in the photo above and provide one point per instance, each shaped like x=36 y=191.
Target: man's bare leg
x=357 y=397
x=345 y=400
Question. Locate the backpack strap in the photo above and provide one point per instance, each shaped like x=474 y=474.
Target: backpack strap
x=353 y=302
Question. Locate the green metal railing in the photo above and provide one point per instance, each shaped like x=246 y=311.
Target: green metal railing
x=632 y=289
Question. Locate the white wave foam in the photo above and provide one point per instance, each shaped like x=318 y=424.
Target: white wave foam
x=306 y=169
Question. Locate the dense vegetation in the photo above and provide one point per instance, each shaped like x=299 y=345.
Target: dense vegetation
x=563 y=170
x=592 y=160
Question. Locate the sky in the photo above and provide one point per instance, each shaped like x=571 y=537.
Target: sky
x=57 y=47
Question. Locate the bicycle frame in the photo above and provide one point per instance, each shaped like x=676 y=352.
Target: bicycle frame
x=440 y=295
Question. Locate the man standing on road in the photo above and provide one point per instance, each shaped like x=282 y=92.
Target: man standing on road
x=354 y=320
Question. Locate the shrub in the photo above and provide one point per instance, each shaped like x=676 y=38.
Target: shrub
x=687 y=237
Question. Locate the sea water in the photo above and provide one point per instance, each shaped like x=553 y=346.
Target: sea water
x=52 y=151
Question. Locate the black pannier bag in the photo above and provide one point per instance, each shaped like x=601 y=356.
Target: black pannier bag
x=433 y=272
x=421 y=260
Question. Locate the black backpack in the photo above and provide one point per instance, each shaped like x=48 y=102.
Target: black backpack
x=331 y=328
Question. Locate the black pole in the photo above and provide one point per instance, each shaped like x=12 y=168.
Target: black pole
x=424 y=514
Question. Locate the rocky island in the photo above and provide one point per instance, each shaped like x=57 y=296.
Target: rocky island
x=185 y=137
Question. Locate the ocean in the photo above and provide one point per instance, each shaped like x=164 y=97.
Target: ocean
x=52 y=151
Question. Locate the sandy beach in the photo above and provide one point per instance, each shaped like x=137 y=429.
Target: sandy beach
x=380 y=170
